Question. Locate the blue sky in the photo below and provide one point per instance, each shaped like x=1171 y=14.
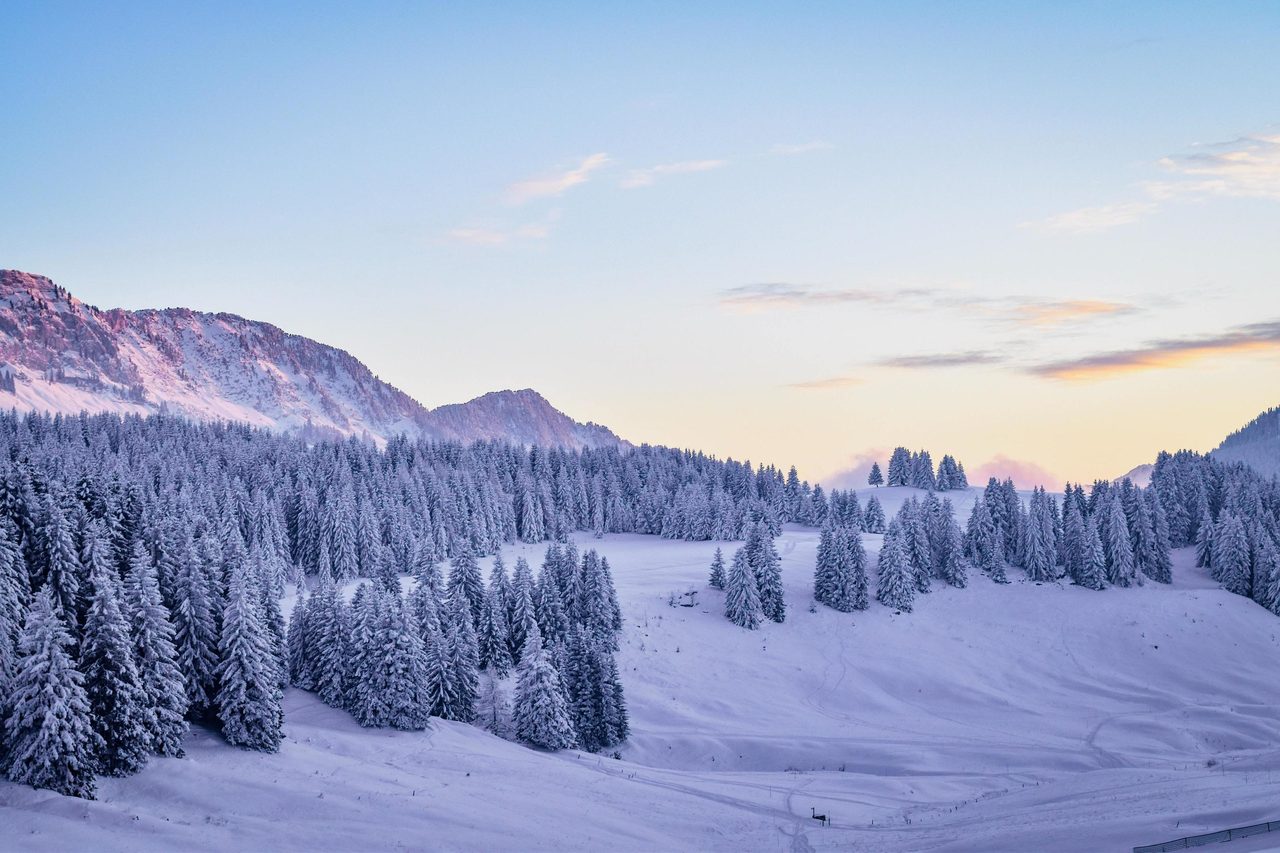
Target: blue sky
x=1042 y=232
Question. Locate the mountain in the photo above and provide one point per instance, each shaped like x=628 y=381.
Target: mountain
x=59 y=354
x=1257 y=444
x=1139 y=475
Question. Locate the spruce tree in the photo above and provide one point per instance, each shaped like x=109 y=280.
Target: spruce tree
x=464 y=661
x=196 y=633
x=896 y=586
x=717 y=579
x=328 y=629
x=541 y=708
x=1120 y=566
x=873 y=516
x=156 y=656
x=464 y=579
x=875 y=478
x=742 y=596
x=765 y=563
x=1093 y=559
x=50 y=739
x=249 y=694
x=494 y=636
x=1231 y=554
x=298 y=640
x=118 y=706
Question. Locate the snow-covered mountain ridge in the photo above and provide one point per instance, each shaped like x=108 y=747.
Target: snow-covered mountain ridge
x=59 y=354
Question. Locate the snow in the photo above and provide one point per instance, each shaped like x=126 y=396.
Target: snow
x=1018 y=717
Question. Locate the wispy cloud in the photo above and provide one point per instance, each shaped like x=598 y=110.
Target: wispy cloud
x=971 y=358
x=1087 y=219
x=800 y=148
x=645 y=177
x=1042 y=314
x=555 y=183
x=1160 y=354
x=1247 y=167
x=1019 y=310
x=831 y=383
x=483 y=236
x=777 y=294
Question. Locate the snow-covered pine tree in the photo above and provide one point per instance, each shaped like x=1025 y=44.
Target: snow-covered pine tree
x=1231 y=563
x=49 y=736
x=298 y=640
x=328 y=631
x=156 y=656
x=824 y=580
x=717 y=579
x=196 y=632
x=249 y=692
x=494 y=637
x=873 y=516
x=1204 y=541
x=464 y=579
x=875 y=478
x=742 y=594
x=463 y=662
x=1161 y=560
x=118 y=707
x=523 y=615
x=1093 y=558
x=765 y=563
x=896 y=587
x=951 y=563
x=15 y=589
x=900 y=467
x=848 y=573
x=541 y=712
x=59 y=565
x=1119 y=548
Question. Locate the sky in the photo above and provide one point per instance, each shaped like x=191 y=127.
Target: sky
x=1044 y=238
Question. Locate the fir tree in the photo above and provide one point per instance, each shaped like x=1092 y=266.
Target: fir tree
x=1231 y=555
x=1120 y=567
x=465 y=580
x=896 y=587
x=717 y=579
x=327 y=633
x=875 y=478
x=50 y=737
x=873 y=516
x=156 y=656
x=1093 y=559
x=494 y=636
x=249 y=693
x=464 y=661
x=541 y=708
x=765 y=563
x=118 y=706
x=196 y=633
x=298 y=640
x=742 y=596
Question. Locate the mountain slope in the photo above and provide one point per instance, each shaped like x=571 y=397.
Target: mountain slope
x=61 y=355
x=1257 y=444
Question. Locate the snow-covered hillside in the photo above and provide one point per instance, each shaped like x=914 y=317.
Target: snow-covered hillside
x=1257 y=444
x=1018 y=717
x=62 y=355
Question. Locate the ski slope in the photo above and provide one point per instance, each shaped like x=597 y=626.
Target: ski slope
x=1018 y=717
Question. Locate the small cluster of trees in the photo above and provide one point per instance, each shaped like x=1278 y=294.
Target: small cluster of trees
x=1231 y=514
x=1117 y=535
x=753 y=581
x=840 y=576
x=844 y=510
x=923 y=542
x=394 y=660
x=915 y=469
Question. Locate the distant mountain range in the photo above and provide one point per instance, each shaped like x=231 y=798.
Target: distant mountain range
x=1257 y=444
x=58 y=354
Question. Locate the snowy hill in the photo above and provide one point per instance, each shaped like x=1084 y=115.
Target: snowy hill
x=1019 y=717
x=59 y=354
x=1257 y=444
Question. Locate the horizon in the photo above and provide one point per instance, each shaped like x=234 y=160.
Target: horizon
x=801 y=238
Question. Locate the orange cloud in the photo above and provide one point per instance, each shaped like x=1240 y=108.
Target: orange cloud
x=1158 y=355
x=1054 y=313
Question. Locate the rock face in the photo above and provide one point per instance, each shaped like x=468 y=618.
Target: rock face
x=59 y=354
x=1257 y=444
